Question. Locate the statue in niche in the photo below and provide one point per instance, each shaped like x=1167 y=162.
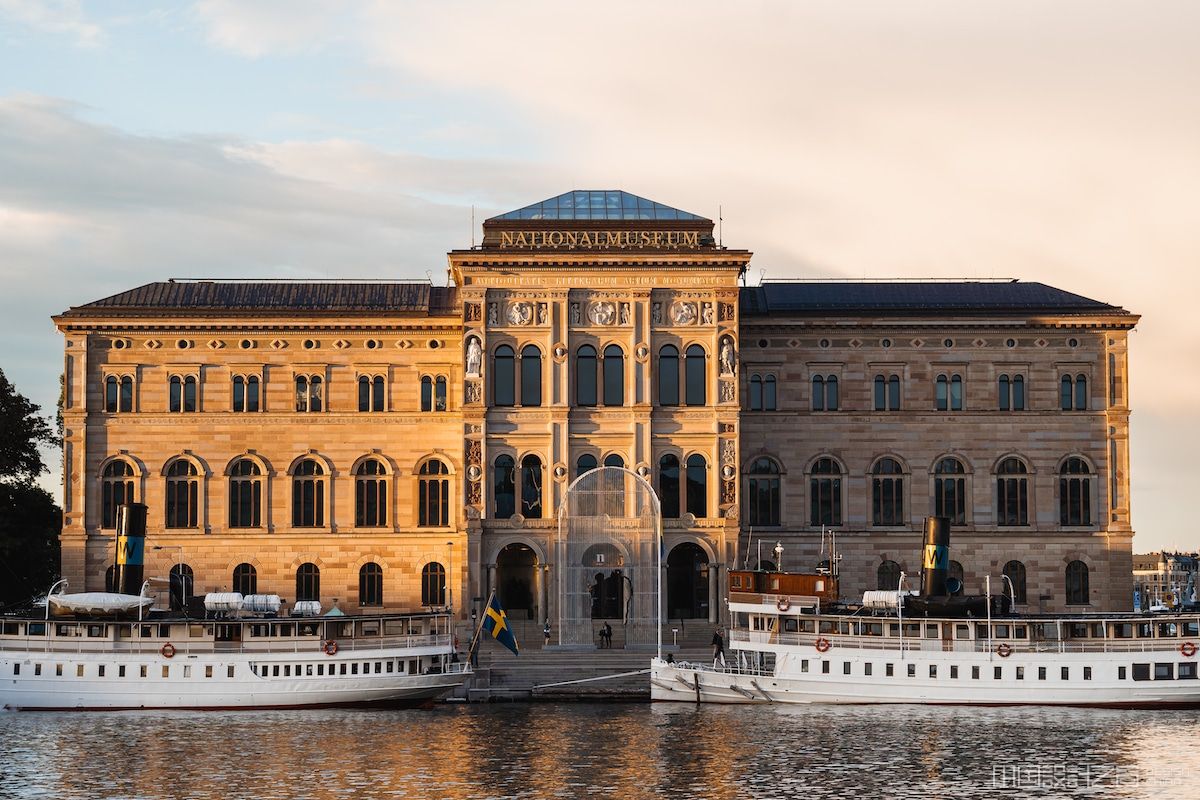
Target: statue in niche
x=576 y=314
x=493 y=313
x=624 y=313
x=474 y=357
x=728 y=357
x=542 y=313
x=706 y=314
x=656 y=313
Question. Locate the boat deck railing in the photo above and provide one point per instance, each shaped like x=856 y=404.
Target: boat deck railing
x=768 y=640
x=207 y=645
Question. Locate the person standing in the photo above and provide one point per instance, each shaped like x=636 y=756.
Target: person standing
x=606 y=635
x=546 y=633
x=718 y=645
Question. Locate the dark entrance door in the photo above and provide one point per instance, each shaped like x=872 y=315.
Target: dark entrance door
x=516 y=567
x=687 y=582
x=607 y=585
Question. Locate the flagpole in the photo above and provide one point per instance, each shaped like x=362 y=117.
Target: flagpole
x=479 y=627
x=659 y=614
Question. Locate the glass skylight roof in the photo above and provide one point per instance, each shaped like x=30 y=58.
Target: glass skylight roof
x=598 y=205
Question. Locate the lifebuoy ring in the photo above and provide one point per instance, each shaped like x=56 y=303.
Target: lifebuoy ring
x=822 y=644
x=784 y=604
x=1004 y=650
x=1188 y=649
x=168 y=650
x=330 y=648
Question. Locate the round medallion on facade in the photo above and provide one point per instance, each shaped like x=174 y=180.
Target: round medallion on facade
x=643 y=471
x=727 y=472
x=684 y=313
x=642 y=352
x=474 y=473
x=520 y=314
x=560 y=352
x=516 y=521
x=602 y=313
x=731 y=512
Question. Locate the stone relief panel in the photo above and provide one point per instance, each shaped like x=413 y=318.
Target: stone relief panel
x=474 y=393
x=472 y=312
x=602 y=313
x=520 y=313
x=727 y=312
x=728 y=391
x=683 y=313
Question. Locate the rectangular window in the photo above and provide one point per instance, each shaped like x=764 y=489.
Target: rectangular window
x=1187 y=670
x=287 y=670
x=1141 y=672
x=187 y=670
x=1087 y=673
x=912 y=670
x=997 y=673
x=975 y=673
x=166 y=671
x=208 y=671
x=229 y=671
x=121 y=671
x=16 y=668
x=1066 y=673
x=1164 y=672
x=889 y=670
x=804 y=665
x=824 y=667
x=354 y=668
x=953 y=671
x=933 y=670
x=1122 y=673
x=867 y=668
x=1020 y=673
x=845 y=667
x=1041 y=673
x=58 y=670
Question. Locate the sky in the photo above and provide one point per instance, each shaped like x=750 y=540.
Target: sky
x=1050 y=141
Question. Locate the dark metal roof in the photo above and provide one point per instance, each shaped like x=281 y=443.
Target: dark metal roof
x=966 y=297
x=239 y=296
x=604 y=204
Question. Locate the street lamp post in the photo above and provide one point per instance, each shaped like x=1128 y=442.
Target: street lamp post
x=779 y=556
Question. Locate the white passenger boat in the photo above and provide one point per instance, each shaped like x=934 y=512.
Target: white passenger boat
x=791 y=642
x=171 y=662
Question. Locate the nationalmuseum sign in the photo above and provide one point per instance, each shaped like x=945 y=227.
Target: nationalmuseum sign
x=600 y=240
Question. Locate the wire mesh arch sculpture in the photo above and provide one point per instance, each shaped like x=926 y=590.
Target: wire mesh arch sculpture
x=609 y=557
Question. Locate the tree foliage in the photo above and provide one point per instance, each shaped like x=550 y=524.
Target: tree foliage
x=22 y=429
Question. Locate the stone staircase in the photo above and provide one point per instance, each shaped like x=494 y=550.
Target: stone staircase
x=545 y=673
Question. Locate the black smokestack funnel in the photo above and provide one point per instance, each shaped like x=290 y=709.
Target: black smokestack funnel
x=935 y=560
x=131 y=548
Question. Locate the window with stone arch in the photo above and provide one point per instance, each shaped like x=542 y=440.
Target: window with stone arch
x=614 y=375
x=825 y=493
x=308 y=494
x=433 y=393
x=586 y=361
x=433 y=494
x=310 y=392
x=182 y=393
x=531 y=376
x=1073 y=394
x=504 y=487
x=695 y=375
x=614 y=502
x=433 y=584
x=948 y=395
x=763 y=394
x=697 y=486
x=668 y=375
x=950 y=490
x=1015 y=572
x=308 y=582
x=370 y=584
x=116 y=489
x=245 y=579
x=887 y=393
x=1075 y=493
x=1012 y=493
x=370 y=494
x=371 y=393
x=763 y=483
x=887 y=576
x=182 y=494
x=668 y=486
x=504 y=376
x=118 y=394
x=825 y=393
x=887 y=493
x=247 y=393
x=531 y=487
x=1011 y=391
x=1078 y=591
x=245 y=494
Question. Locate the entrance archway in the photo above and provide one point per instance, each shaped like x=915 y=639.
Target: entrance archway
x=516 y=580
x=687 y=582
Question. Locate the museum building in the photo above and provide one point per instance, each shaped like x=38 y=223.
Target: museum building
x=399 y=444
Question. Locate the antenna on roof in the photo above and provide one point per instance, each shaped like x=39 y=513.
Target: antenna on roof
x=472 y=226
x=720 y=227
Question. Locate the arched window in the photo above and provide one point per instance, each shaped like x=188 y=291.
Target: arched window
x=433 y=495
x=586 y=463
x=763 y=393
x=1012 y=493
x=126 y=394
x=956 y=393
x=942 y=394
x=531 y=376
x=1018 y=393
x=697 y=486
x=183 y=489
x=668 y=486
x=755 y=398
x=370 y=393
x=116 y=489
x=887 y=393
x=1081 y=392
x=309 y=391
x=250 y=398
x=426 y=393
x=245 y=579
x=762 y=493
x=770 y=399
x=370 y=584
x=887 y=493
x=956 y=572
x=586 y=503
x=245 y=495
x=1004 y=393
x=183 y=393
x=439 y=393
x=1075 y=493
x=370 y=494
x=825 y=493
x=504 y=392
x=614 y=460
x=668 y=375
x=831 y=393
x=433 y=584
x=110 y=393
x=504 y=487
x=308 y=582
x=1078 y=593
x=614 y=502
x=1015 y=572
x=1066 y=393
x=308 y=495
x=531 y=487
x=1074 y=392
x=694 y=378
x=585 y=376
x=887 y=577
x=614 y=375
x=818 y=393
x=950 y=491
x=181 y=584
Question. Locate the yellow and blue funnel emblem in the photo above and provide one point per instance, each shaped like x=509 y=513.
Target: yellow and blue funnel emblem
x=495 y=622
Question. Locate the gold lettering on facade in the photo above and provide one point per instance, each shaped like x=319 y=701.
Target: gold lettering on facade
x=593 y=240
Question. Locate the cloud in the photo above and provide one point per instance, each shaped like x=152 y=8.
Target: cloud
x=60 y=17
x=274 y=26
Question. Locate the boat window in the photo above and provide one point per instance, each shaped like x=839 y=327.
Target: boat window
x=11 y=629
x=16 y=668
x=37 y=629
x=1077 y=630
x=1190 y=628
x=931 y=631
x=1164 y=672
x=391 y=666
x=824 y=667
x=308 y=670
x=953 y=670
x=121 y=671
x=867 y=668
x=1187 y=671
x=1145 y=630
x=962 y=631
x=893 y=629
x=370 y=628
x=62 y=629
x=912 y=630
x=975 y=673
x=354 y=668
x=826 y=626
x=124 y=631
x=912 y=670
x=142 y=671
x=208 y=670
x=790 y=624
x=845 y=667
x=845 y=628
x=1141 y=672
x=1168 y=629
x=1087 y=673
x=889 y=670
x=735 y=582
x=286 y=629
x=79 y=670
x=195 y=631
x=806 y=626
x=804 y=665
x=1121 y=630
x=981 y=631
x=58 y=670
x=164 y=631
x=187 y=670
x=166 y=671
x=1020 y=673
x=1021 y=631
x=933 y=670
x=1121 y=673
x=97 y=631
x=774 y=583
x=308 y=629
x=287 y=670
x=414 y=667
x=343 y=669
x=275 y=671
x=1002 y=632
x=1041 y=673
x=873 y=629
x=1097 y=630
x=229 y=671
x=146 y=631
x=366 y=668
x=997 y=673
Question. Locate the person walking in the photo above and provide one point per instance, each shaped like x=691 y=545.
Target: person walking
x=718 y=645
x=546 y=633
x=606 y=635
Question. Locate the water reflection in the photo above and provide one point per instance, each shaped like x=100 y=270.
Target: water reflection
x=626 y=750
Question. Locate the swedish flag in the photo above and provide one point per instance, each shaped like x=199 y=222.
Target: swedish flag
x=495 y=622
